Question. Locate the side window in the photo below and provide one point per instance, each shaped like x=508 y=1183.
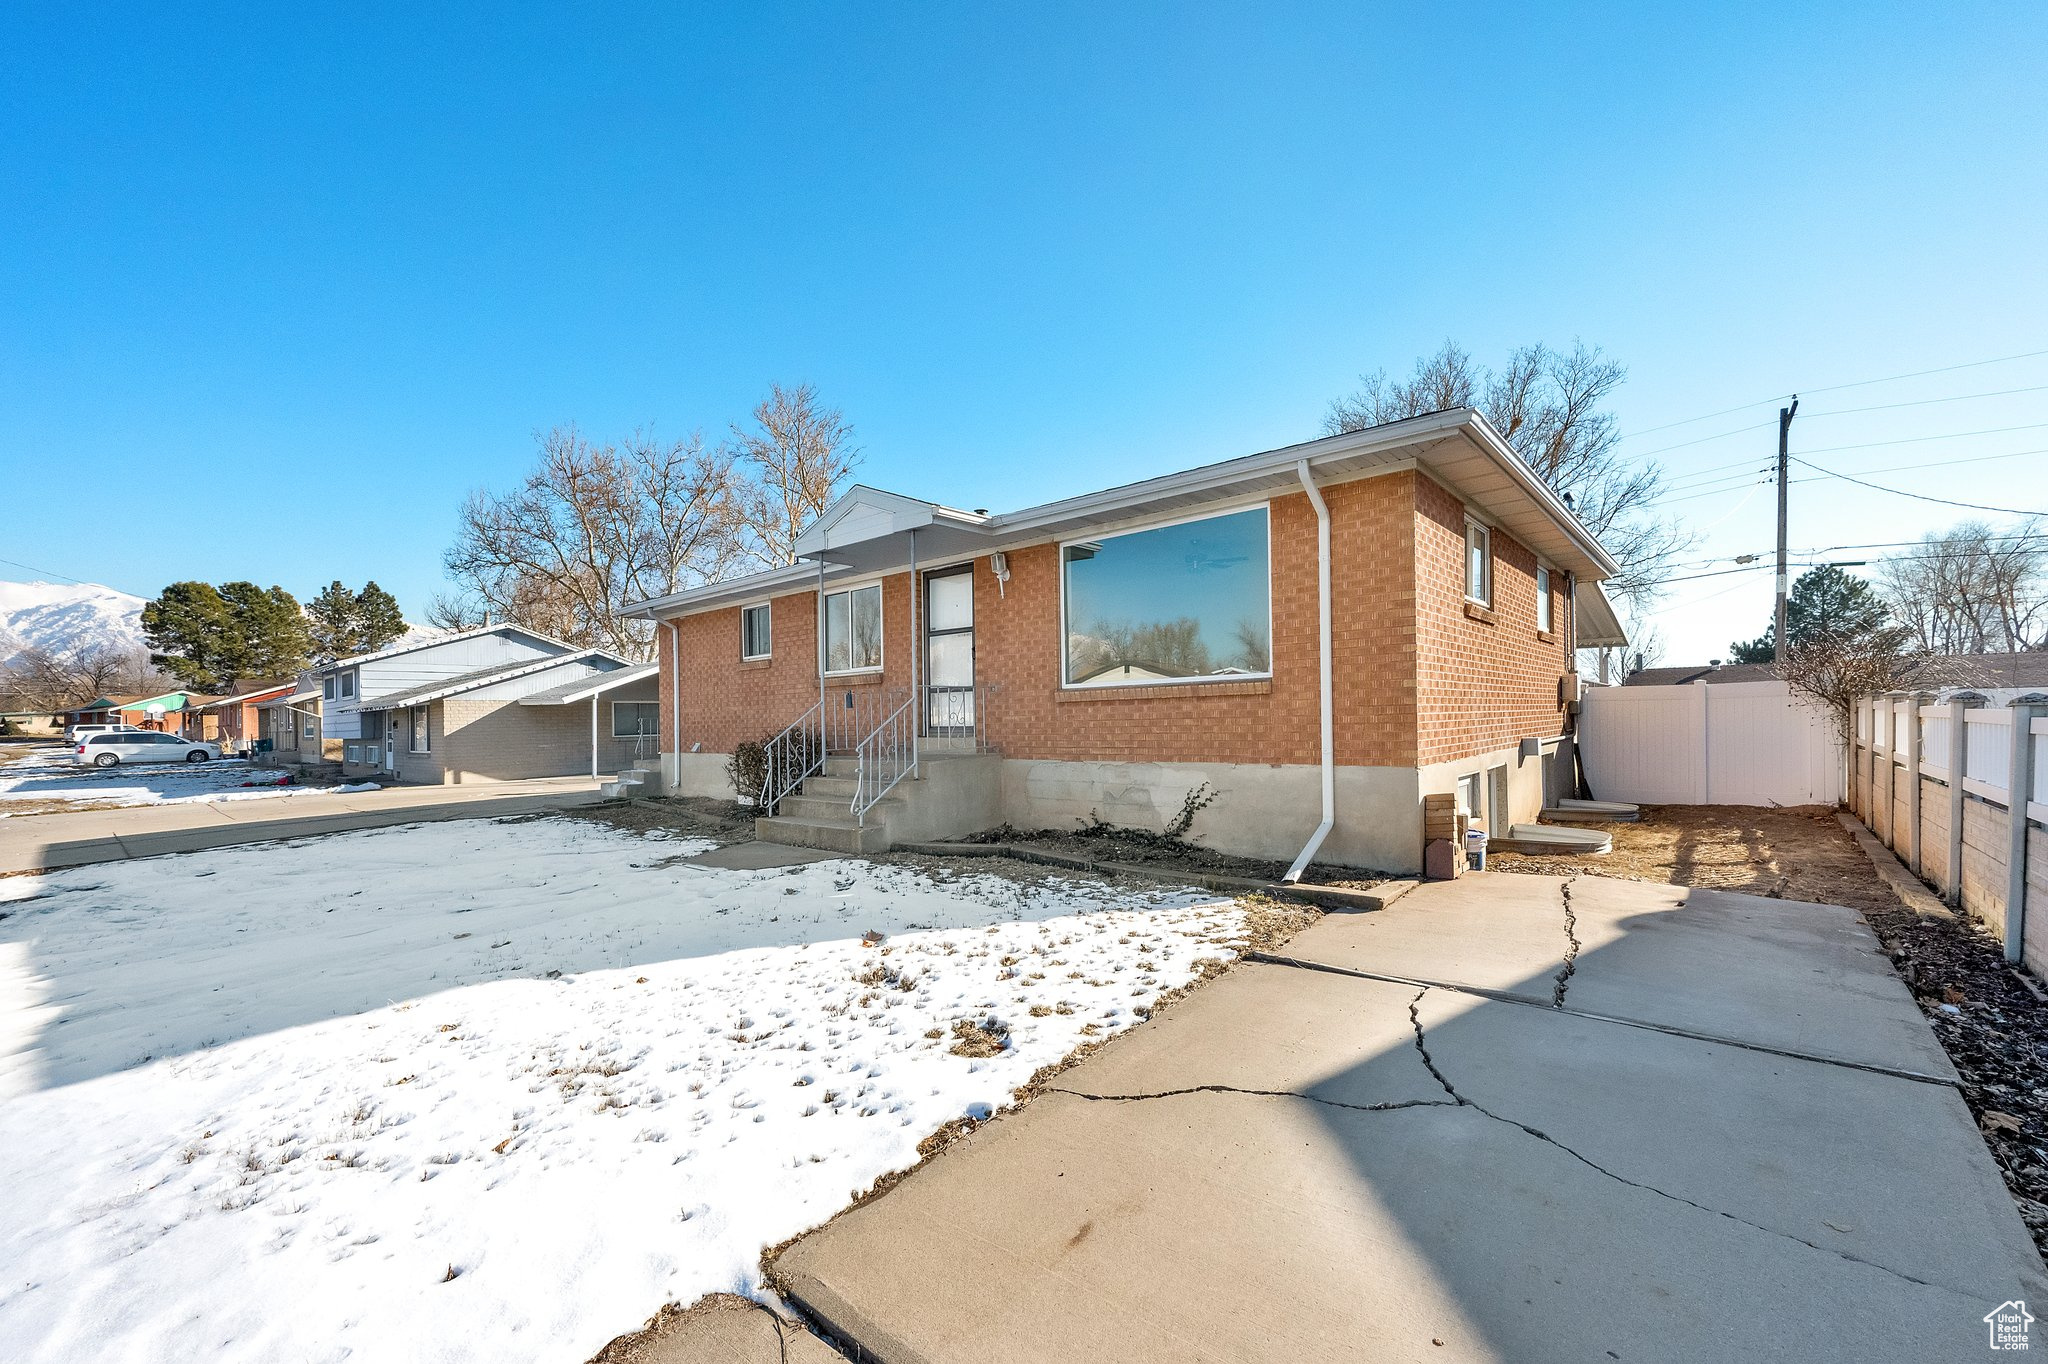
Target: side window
x=348 y=685
x=1543 y=619
x=755 y=631
x=327 y=689
x=1478 y=563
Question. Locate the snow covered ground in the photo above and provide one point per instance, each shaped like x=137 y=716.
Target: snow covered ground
x=47 y=777
x=496 y=1090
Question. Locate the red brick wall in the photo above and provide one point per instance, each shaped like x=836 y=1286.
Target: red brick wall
x=1482 y=684
x=1416 y=681
x=727 y=701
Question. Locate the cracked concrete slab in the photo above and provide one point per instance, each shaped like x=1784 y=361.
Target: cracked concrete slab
x=1272 y=1028
x=1774 y=973
x=1884 y=1170
x=1290 y=1165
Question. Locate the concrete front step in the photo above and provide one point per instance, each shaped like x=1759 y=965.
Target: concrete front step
x=841 y=787
x=829 y=807
x=840 y=835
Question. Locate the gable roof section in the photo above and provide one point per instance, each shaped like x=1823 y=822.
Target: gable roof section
x=484 y=677
x=866 y=530
x=503 y=628
x=250 y=696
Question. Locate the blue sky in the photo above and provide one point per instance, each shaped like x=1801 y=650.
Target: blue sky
x=1030 y=252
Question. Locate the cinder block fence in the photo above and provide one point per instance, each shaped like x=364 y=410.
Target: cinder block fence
x=1958 y=788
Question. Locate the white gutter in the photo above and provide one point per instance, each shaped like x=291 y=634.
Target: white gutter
x=1323 y=613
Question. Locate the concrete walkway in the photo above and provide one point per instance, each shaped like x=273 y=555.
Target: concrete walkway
x=1508 y=1118
x=43 y=842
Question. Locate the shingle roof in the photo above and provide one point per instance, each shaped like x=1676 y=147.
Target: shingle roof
x=481 y=677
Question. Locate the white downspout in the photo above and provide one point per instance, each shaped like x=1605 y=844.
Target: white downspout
x=1323 y=614
x=675 y=700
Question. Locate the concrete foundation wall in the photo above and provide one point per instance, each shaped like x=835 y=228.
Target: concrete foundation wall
x=1933 y=831
x=1984 y=842
x=954 y=796
x=2034 y=946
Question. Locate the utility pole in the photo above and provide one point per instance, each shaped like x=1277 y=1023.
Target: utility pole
x=1784 y=487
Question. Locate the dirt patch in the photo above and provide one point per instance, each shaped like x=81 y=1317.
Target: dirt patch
x=1143 y=848
x=1991 y=1020
x=1791 y=853
x=688 y=816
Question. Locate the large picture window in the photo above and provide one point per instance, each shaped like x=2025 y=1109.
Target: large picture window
x=853 y=630
x=1172 y=604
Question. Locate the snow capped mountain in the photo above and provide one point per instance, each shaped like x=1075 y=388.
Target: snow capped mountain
x=61 y=617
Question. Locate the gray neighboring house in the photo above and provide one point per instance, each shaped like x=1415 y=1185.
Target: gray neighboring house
x=499 y=703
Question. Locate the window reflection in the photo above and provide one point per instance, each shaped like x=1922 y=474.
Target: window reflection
x=1177 y=602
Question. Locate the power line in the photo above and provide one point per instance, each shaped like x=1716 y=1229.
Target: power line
x=1921 y=440
x=51 y=572
x=1921 y=497
x=1942 y=463
x=1907 y=544
x=1924 y=402
x=1832 y=388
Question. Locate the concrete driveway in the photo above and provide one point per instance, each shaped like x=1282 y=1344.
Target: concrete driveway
x=1508 y=1118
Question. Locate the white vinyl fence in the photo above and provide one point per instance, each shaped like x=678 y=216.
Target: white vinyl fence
x=1732 y=743
x=1957 y=786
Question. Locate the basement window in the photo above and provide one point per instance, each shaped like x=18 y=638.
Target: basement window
x=1188 y=602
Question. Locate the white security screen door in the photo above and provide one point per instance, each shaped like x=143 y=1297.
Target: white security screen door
x=949 y=651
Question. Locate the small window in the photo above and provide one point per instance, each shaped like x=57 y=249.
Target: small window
x=853 y=630
x=327 y=689
x=755 y=632
x=1468 y=795
x=1478 y=563
x=421 y=741
x=1543 y=599
x=348 y=685
x=635 y=719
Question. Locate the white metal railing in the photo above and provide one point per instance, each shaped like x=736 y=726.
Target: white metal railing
x=791 y=756
x=1987 y=751
x=885 y=757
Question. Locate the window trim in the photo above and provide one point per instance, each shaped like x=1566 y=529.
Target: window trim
x=881 y=627
x=1264 y=506
x=348 y=686
x=423 y=730
x=652 y=733
x=1546 y=608
x=327 y=688
x=1473 y=523
x=769 y=652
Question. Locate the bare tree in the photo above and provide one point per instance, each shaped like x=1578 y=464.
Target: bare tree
x=795 y=456
x=456 y=611
x=1970 y=590
x=58 y=679
x=592 y=528
x=1836 y=671
x=1550 y=405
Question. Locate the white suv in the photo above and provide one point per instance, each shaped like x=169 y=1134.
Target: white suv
x=80 y=733
x=139 y=746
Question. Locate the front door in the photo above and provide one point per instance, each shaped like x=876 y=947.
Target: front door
x=949 y=652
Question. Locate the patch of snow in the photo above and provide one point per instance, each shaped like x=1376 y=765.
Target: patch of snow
x=59 y=617
x=484 y=1091
x=48 y=774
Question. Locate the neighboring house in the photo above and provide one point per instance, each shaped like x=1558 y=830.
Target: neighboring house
x=491 y=704
x=1332 y=630
x=1704 y=672
x=290 y=725
x=18 y=717
x=161 y=710
x=235 y=720
x=1981 y=672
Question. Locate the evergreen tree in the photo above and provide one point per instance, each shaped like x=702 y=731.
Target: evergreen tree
x=209 y=638
x=1826 y=603
x=331 y=618
x=378 y=621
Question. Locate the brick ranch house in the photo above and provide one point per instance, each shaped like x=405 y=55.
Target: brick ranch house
x=1324 y=634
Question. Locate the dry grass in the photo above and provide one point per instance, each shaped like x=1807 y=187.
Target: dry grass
x=1794 y=853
